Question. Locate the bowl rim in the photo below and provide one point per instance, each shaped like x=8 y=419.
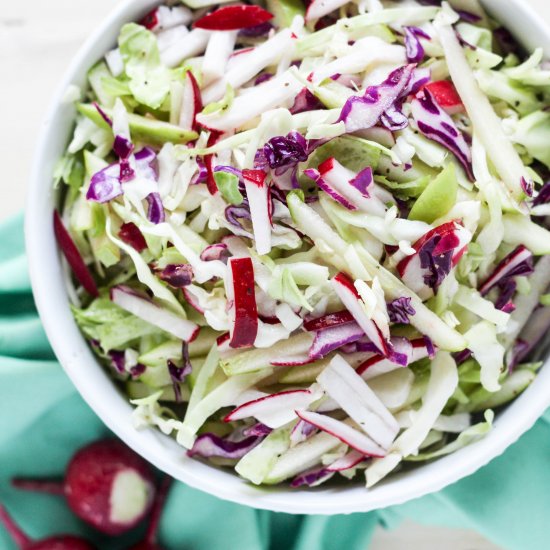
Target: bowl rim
x=72 y=351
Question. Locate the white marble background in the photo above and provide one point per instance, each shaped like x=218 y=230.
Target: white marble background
x=37 y=40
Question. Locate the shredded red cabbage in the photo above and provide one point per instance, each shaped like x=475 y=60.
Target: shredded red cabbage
x=209 y=445
x=176 y=275
x=155 y=213
x=437 y=125
x=400 y=309
x=414 y=49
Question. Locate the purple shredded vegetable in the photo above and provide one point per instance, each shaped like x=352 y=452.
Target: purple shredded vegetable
x=543 y=196
x=438 y=126
x=363 y=181
x=210 y=445
x=263 y=78
x=118 y=361
x=312 y=477
x=258 y=429
x=137 y=370
x=283 y=151
x=334 y=337
x=123 y=147
x=176 y=275
x=430 y=348
x=216 y=251
x=103 y=114
x=468 y=16
x=155 y=213
x=179 y=374
x=363 y=112
x=462 y=356
x=305 y=101
x=105 y=185
x=400 y=309
x=413 y=46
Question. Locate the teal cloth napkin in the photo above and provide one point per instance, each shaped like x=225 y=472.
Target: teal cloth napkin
x=43 y=421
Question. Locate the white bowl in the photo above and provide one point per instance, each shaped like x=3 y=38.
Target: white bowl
x=113 y=408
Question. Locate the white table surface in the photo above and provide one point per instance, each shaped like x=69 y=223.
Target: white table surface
x=37 y=40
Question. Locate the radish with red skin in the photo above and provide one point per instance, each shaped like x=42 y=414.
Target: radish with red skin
x=344 y=432
x=130 y=234
x=508 y=267
x=444 y=92
x=347 y=292
x=233 y=18
x=209 y=163
x=150 y=541
x=72 y=254
x=240 y=290
x=106 y=484
x=450 y=242
x=191 y=104
x=58 y=542
x=257 y=192
x=344 y=182
x=273 y=410
x=329 y=320
x=164 y=17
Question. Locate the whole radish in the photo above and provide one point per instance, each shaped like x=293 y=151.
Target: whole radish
x=106 y=484
x=59 y=542
x=150 y=541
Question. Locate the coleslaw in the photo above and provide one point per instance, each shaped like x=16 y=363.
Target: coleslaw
x=309 y=242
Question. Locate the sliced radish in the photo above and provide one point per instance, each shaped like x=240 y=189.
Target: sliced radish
x=241 y=297
x=345 y=433
x=164 y=17
x=329 y=320
x=145 y=309
x=344 y=288
x=320 y=8
x=274 y=410
x=358 y=189
x=247 y=63
x=508 y=267
x=218 y=51
x=332 y=338
x=191 y=104
x=353 y=395
x=233 y=18
x=446 y=96
x=190 y=45
x=209 y=161
x=258 y=199
x=437 y=252
x=376 y=365
x=72 y=254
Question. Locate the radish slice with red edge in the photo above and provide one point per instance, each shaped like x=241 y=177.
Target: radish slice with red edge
x=353 y=395
x=209 y=163
x=437 y=252
x=344 y=288
x=317 y=476
x=446 y=96
x=106 y=484
x=518 y=262
x=145 y=309
x=191 y=104
x=258 y=199
x=165 y=17
x=345 y=433
x=24 y=542
x=72 y=254
x=233 y=18
x=274 y=410
x=240 y=291
x=329 y=320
